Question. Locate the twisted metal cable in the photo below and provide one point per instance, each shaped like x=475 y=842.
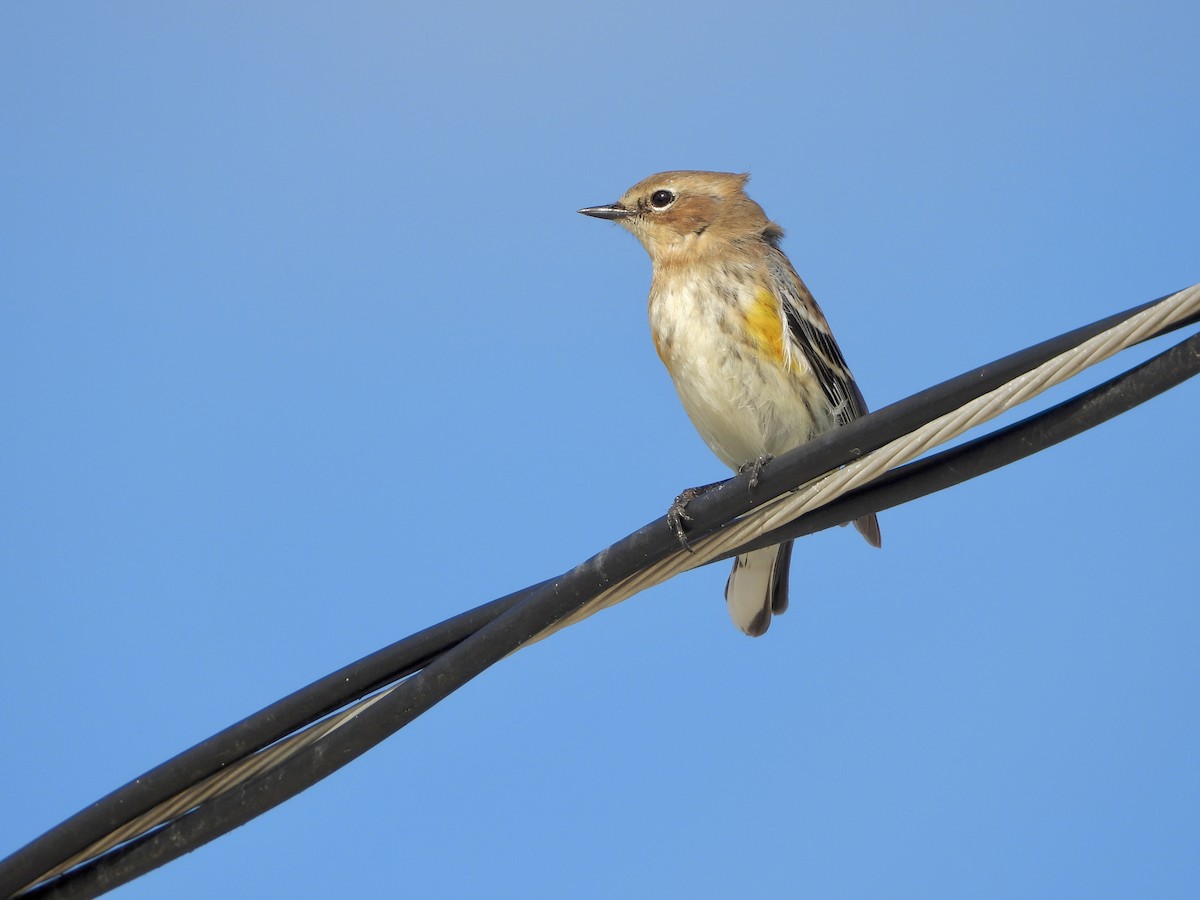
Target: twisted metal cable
x=214 y=786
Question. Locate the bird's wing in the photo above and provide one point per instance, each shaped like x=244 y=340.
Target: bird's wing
x=809 y=335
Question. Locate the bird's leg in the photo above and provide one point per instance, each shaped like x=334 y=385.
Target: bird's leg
x=755 y=467
x=677 y=515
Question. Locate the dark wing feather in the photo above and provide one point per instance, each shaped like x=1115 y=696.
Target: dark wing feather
x=812 y=338
x=810 y=335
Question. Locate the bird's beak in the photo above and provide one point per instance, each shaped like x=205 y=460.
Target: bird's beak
x=612 y=211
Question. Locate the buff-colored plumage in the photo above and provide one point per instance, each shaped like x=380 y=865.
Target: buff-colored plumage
x=748 y=349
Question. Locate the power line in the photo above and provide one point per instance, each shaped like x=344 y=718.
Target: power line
x=274 y=754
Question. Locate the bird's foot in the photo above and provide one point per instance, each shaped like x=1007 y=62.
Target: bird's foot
x=755 y=467
x=677 y=516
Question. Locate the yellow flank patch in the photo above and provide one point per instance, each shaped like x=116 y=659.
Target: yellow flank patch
x=764 y=322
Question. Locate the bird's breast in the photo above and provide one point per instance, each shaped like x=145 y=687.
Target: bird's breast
x=722 y=337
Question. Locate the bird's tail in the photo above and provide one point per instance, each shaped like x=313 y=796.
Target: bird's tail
x=868 y=527
x=758 y=587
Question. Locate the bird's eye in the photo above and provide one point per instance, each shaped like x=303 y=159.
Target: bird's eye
x=662 y=199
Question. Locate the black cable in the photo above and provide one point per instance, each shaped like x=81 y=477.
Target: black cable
x=478 y=638
x=276 y=721
x=447 y=673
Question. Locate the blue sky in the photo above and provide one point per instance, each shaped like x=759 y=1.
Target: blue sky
x=303 y=348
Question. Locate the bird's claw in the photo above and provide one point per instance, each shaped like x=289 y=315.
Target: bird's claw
x=677 y=516
x=755 y=467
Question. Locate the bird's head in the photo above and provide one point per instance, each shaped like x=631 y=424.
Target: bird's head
x=684 y=212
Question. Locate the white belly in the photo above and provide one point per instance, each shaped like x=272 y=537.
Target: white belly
x=743 y=404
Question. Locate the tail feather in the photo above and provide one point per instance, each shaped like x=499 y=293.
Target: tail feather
x=868 y=527
x=758 y=584
x=757 y=587
x=779 y=590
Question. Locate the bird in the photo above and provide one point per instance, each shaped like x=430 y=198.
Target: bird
x=749 y=351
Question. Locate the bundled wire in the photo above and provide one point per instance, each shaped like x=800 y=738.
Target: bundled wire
x=864 y=467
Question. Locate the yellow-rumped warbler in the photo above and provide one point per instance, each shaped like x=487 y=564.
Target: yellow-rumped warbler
x=749 y=350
